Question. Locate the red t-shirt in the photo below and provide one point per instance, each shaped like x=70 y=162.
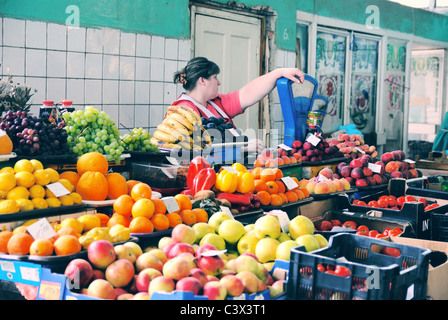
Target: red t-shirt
x=229 y=103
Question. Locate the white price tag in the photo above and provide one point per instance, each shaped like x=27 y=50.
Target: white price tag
x=322 y=178
x=282 y=218
x=41 y=229
x=409 y=161
x=376 y=168
x=167 y=173
x=58 y=189
x=170 y=204
x=172 y=160
x=212 y=253
x=313 y=139
x=284 y=147
x=227 y=211
x=234 y=132
x=31 y=274
x=289 y=183
x=359 y=150
x=7 y=266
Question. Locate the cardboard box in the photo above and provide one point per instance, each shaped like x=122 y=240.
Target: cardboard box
x=438 y=269
x=312 y=171
x=317 y=208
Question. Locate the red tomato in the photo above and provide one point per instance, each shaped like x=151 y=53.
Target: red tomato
x=431 y=206
x=383 y=197
x=363 y=229
x=410 y=198
x=394 y=233
x=425 y=202
x=342 y=271
x=330 y=272
x=382 y=203
x=380 y=235
x=350 y=225
x=361 y=203
x=391 y=201
x=321 y=268
x=373 y=204
x=400 y=201
x=360 y=233
x=355 y=202
x=394 y=208
x=386 y=231
x=373 y=233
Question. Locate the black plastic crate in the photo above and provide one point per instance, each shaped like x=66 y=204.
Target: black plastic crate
x=439 y=227
x=374 y=275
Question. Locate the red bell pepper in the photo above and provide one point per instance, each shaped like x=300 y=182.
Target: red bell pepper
x=204 y=180
x=196 y=164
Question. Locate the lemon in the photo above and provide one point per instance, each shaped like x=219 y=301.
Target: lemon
x=29 y=222
x=67 y=184
x=42 y=177
x=25 y=204
x=39 y=203
x=89 y=221
x=49 y=193
x=18 y=192
x=7 y=181
x=7 y=169
x=73 y=223
x=24 y=165
x=9 y=206
x=53 y=202
x=37 y=191
x=37 y=164
x=53 y=174
x=77 y=199
x=25 y=179
x=66 y=200
x=3 y=194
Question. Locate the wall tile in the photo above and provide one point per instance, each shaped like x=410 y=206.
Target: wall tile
x=57 y=64
x=36 y=34
x=1 y=31
x=143 y=45
x=157 y=67
x=127 y=44
x=94 y=65
x=110 y=91
x=56 y=36
x=112 y=111
x=156 y=93
x=126 y=92
x=76 y=39
x=94 y=40
x=75 y=64
x=184 y=50
x=56 y=90
x=141 y=92
x=170 y=93
x=126 y=117
x=75 y=90
x=157 y=47
x=111 y=41
x=127 y=68
x=171 y=49
x=110 y=66
x=93 y=92
x=156 y=115
x=36 y=83
x=142 y=116
x=14 y=61
x=36 y=62
x=13 y=32
x=170 y=69
x=142 y=69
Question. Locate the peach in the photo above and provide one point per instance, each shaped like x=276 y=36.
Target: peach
x=101 y=253
x=387 y=157
x=80 y=272
x=183 y=233
x=331 y=185
x=190 y=284
x=338 y=185
x=321 y=188
x=120 y=273
x=177 y=268
x=148 y=260
x=391 y=166
x=327 y=173
x=161 y=284
x=356 y=163
x=396 y=175
x=310 y=186
x=214 y=290
x=292 y=159
x=345 y=171
x=362 y=183
x=199 y=274
x=250 y=281
x=357 y=173
x=286 y=160
x=180 y=247
x=101 y=289
x=145 y=277
x=211 y=265
x=345 y=183
x=141 y=296
x=371 y=181
x=268 y=154
x=233 y=285
x=378 y=178
x=367 y=172
x=303 y=182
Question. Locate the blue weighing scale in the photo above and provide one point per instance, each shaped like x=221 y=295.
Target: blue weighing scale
x=297 y=100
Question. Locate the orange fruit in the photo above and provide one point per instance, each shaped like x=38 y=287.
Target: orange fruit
x=131 y=183
x=19 y=229
x=117 y=185
x=20 y=243
x=68 y=230
x=143 y=208
x=159 y=205
x=276 y=200
x=41 y=247
x=281 y=186
x=141 y=190
x=267 y=174
x=174 y=219
x=256 y=172
x=188 y=217
x=160 y=222
x=300 y=194
x=71 y=176
x=92 y=161
x=259 y=163
x=66 y=244
x=118 y=219
x=292 y=196
x=123 y=205
x=92 y=186
x=201 y=215
x=296 y=180
x=265 y=197
x=4 y=238
x=260 y=185
x=104 y=218
x=184 y=201
x=141 y=225
x=272 y=187
x=278 y=173
x=284 y=197
x=305 y=192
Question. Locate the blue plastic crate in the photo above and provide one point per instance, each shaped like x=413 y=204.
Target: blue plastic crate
x=374 y=275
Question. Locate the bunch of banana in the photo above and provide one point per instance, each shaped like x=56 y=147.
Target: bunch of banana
x=181 y=129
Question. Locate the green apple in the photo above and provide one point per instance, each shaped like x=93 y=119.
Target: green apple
x=231 y=230
x=201 y=229
x=245 y=263
x=214 y=239
x=266 y=249
x=284 y=237
x=284 y=249
x=323 y=242
x=249 y=227
x=309 y=242
x=164 y=241
x=267 y=226
x=299 y=226
x=217 y=218
x=262 y=273
x=247 y=243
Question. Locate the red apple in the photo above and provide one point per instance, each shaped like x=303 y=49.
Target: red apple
x=190 y=284
x=233 y=285
x=80 y=272
x=214 y=290
x=211 y=265
x=179 y=248
x=101 y=253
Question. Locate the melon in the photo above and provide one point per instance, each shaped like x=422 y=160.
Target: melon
x=5 y=143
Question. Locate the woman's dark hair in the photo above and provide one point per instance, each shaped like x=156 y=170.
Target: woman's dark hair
x=196 y=68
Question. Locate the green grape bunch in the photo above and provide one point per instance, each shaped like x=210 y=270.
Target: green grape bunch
x=91 y=130
x=138 y=140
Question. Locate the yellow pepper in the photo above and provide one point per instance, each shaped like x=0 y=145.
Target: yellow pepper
x=227 y=181
x=239 y=167
x=246 y=182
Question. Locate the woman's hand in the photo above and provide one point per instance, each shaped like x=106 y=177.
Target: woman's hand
x=292 y=74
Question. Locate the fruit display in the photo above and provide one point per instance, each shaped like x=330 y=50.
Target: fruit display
x=352 y=146
x=363 y=172
x=271 y=157
x=24 y=187
x=138 y=140
x=181 y=129
x=324 y=183
x=316 y=150
x=361 y=229
x=397 y=166
x=34 y=136
x=392 y=202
